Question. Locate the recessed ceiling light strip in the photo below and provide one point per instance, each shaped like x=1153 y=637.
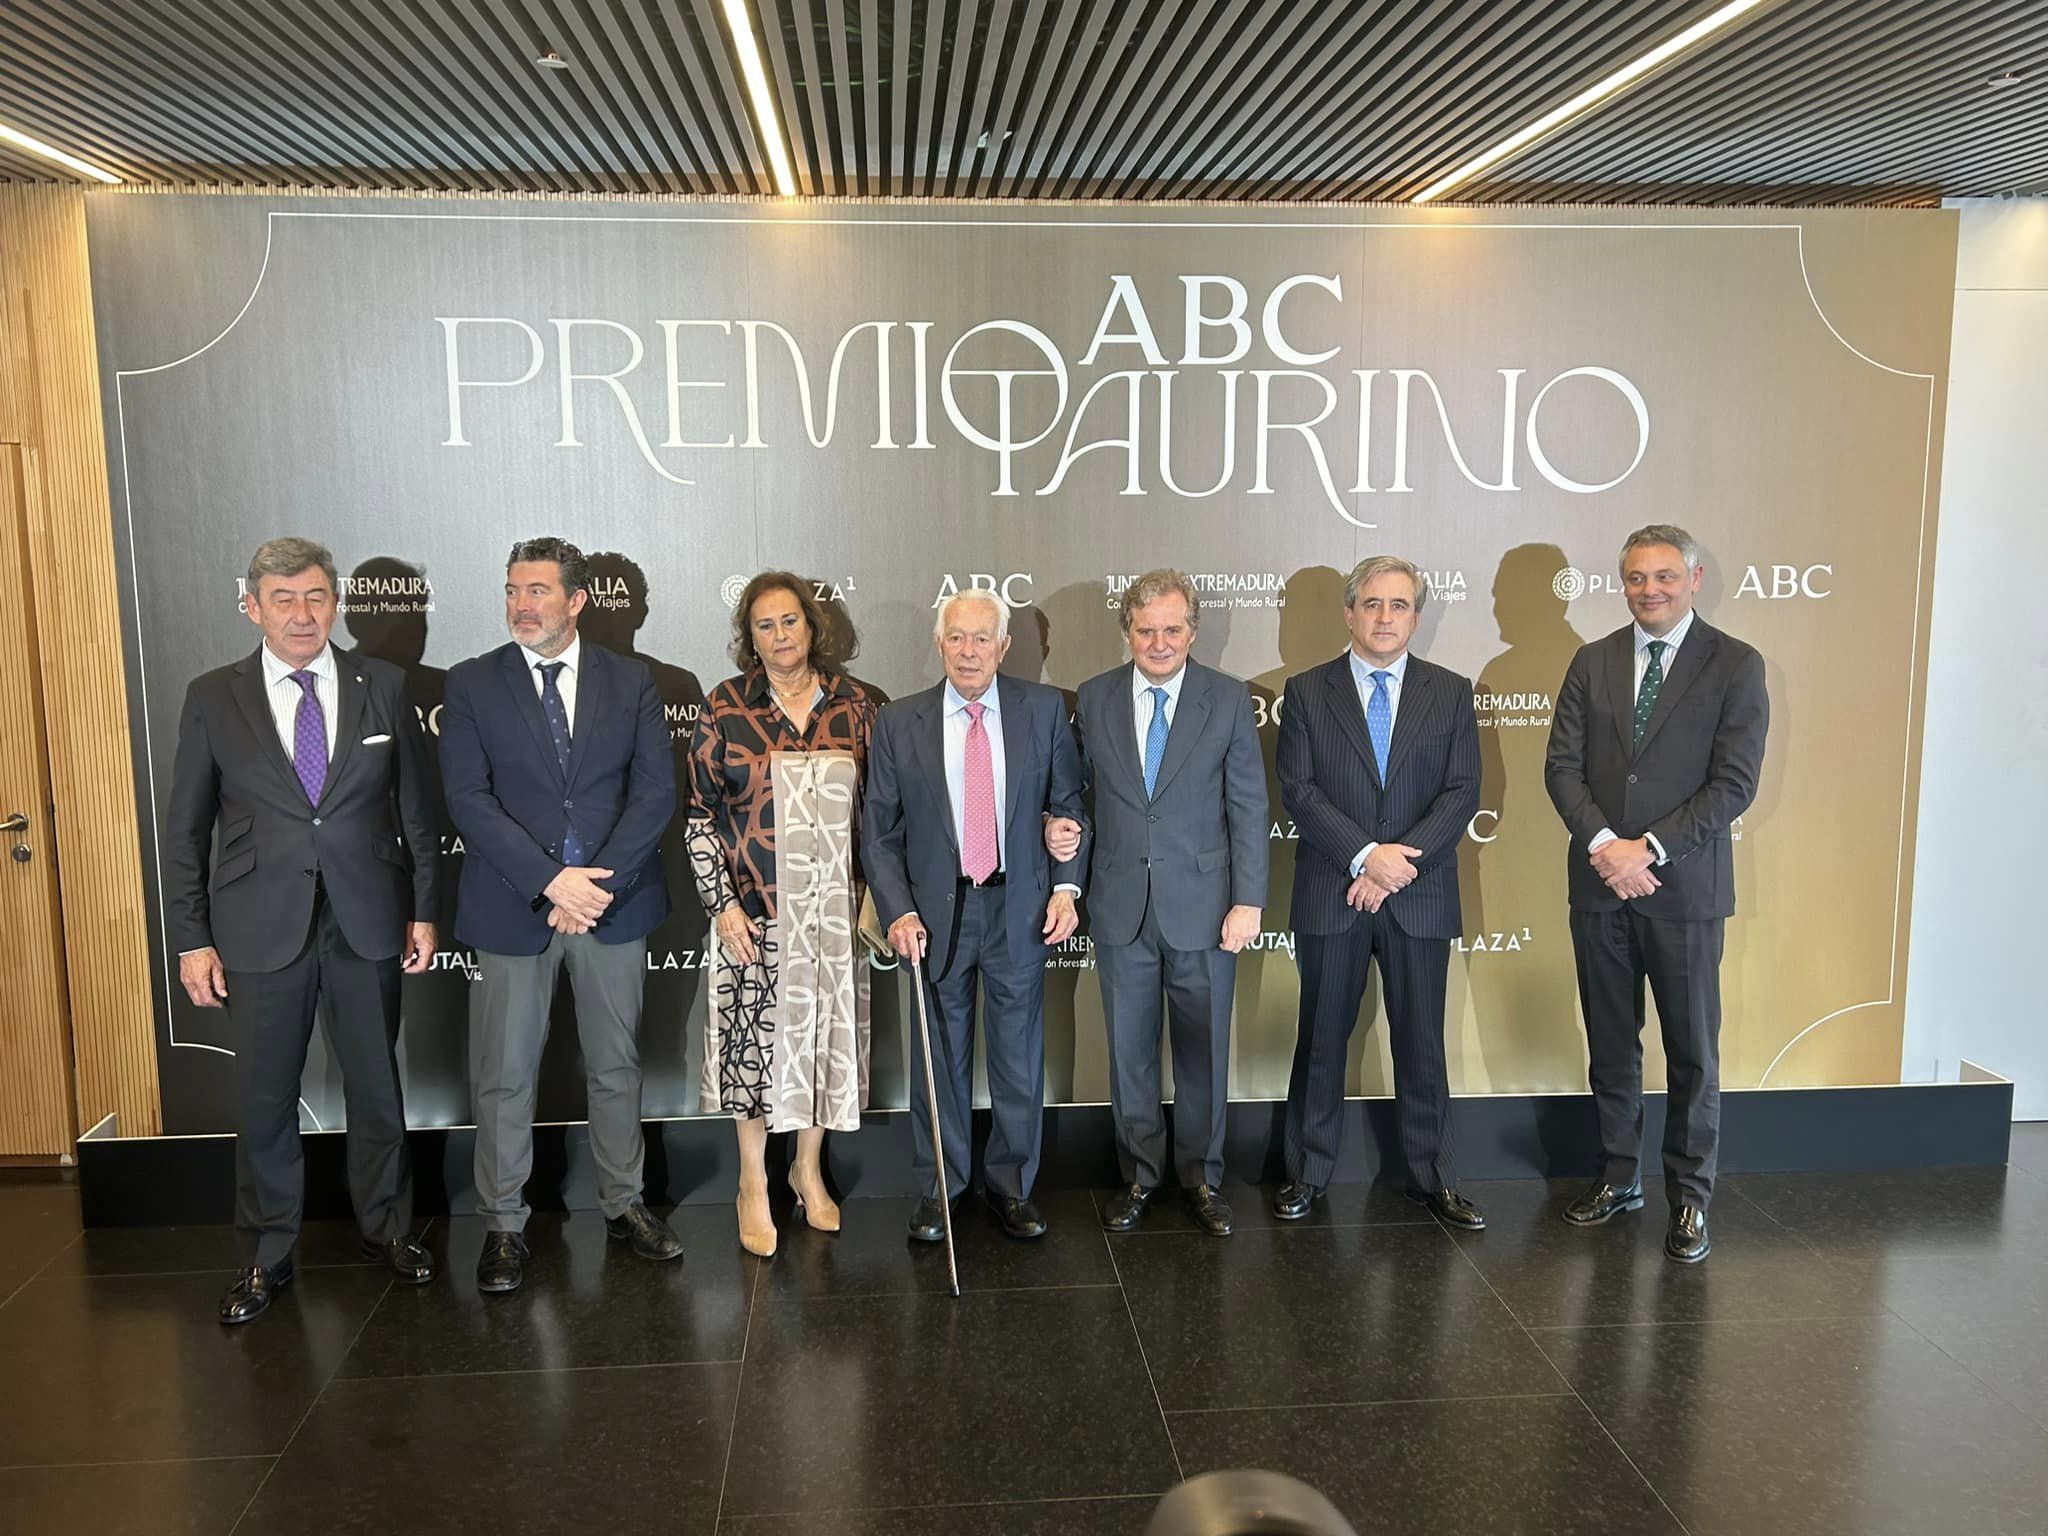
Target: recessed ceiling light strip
x=21 y=140
x=740 y=23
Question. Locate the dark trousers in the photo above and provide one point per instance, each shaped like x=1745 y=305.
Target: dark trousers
x=1196 y=986
x=1617 y=951
x=1412 y=977
x=980 y=966
x=356 y=1001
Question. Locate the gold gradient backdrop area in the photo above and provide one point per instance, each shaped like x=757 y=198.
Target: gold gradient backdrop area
x=901 y=400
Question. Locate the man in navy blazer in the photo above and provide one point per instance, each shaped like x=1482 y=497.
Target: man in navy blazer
x=1379 y=767
x=962 y=779
x=556 y=767
x=1176 y=886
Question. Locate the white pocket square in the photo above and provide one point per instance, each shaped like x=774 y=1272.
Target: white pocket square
x=371 y=741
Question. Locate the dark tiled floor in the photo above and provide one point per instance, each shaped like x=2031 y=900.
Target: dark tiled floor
x=1862 y=1354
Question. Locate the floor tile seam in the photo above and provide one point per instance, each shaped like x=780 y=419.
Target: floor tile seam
x=533 y=1370
x=1787 y=1228
x=216 y=1269
x=76 y=1237
x=292 y=1439
x=732 y=1428
x=146 y=1461
x=1144 y=1359
x=1619 y=1449
x=1877 y=1310
x=1383 y=1402
x=810 y=1297
x=886 y=1509
x=1295 y=1227
x=1998 y=1395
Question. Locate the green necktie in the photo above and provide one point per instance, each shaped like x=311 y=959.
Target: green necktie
x=1646 y=696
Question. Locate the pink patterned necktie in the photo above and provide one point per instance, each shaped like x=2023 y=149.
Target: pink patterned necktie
x=978 y=845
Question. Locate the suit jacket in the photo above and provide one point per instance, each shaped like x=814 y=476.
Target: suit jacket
x=1201 y=838
x=510 y=800
x=1697 y=771
x=909 y=849
x=1331 y=786
x=373 y=839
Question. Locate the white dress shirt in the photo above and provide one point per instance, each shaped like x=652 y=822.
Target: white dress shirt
x=956 y=722
x=1671 y=643
x=1361 y=678
x=565 y=680
x=284 y=696
x=1141 y=700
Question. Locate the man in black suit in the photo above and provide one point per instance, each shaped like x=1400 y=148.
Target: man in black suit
x=1655 y=749
x=1379 y=767
x=556 y=766
x=1176 y=886
x=309 y=764
x=962 y=779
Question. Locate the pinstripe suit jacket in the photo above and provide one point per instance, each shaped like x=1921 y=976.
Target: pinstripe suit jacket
x=1331 y=786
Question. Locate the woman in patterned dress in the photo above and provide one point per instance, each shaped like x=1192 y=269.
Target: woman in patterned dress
x=778 y=764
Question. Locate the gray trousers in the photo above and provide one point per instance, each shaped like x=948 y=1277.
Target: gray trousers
x=508 y=1027
x=1197 y=987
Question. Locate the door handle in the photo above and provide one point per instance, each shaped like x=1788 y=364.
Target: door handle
x=15 y=822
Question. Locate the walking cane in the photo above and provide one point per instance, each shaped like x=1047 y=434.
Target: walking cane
x=931 y=1099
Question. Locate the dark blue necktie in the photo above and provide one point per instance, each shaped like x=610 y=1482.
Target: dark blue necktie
x=1379 y=721
x=558 y=727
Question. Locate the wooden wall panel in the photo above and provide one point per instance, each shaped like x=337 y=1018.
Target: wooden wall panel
x=50 y=401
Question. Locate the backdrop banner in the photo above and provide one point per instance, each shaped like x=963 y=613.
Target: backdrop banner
x=900 y=401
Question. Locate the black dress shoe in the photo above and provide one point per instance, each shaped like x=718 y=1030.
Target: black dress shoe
x=253 y=1291
x=502 y=1264
x=1126 y=1208
x=1602 y=1201
x=1294 y=1199
x=928 y=1222
x=1686 y=1238
x=1450 y=1208
x=1211 y=1210
x=1017 y=1218
x=407 y=1260
x=650 y=1236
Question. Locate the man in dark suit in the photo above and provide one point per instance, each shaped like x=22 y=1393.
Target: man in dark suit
x=1176 y=885
x=1655 y=749
x=309 y=764
x=1379 y=767
x=961 y=781
x=556 y=766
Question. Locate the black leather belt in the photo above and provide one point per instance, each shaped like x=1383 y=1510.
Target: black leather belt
x=998 y=878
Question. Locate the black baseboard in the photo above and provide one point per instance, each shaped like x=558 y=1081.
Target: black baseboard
x=183 y=1180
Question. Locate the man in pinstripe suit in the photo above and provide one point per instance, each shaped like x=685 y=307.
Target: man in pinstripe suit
x=1379 y=767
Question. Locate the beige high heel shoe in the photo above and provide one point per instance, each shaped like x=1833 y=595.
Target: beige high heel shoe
x=817 y=1208
x=757 y=1224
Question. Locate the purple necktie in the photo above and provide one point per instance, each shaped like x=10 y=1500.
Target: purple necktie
x=309 y=739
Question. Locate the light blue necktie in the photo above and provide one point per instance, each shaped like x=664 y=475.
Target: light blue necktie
x=1379 y=721
x=1155 y=739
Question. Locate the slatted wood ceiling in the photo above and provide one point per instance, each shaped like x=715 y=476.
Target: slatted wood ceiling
x=1807 y=101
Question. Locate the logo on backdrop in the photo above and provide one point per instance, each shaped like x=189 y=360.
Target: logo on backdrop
x=1506 y=711
x=1571 y=584
x=1217 y=589
x=1014 y=589
x=1775 y=583
x=685 y=388
x=1447 y=586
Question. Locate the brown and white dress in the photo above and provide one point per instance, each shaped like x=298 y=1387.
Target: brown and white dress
x=774 y=825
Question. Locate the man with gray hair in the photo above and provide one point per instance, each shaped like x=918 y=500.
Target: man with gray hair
x=1379 y=767
x=962 y=779
x=1655 y=748
x=556 y=765
x=300 y=861
x=1178 y=881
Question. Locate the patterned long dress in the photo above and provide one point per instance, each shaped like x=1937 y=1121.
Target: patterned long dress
x=774 y=825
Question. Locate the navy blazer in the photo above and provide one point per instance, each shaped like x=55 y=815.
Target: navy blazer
x=1331 y=786
x=1703 y=751
x=372 y=839
x=911 y=854
x=508 y=797
x=1198 y=844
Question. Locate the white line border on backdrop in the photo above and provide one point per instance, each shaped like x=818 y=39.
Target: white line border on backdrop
x=1082 y=224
